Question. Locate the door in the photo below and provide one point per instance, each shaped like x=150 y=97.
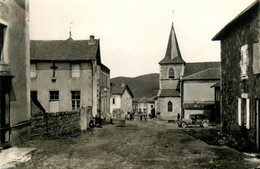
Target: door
x=257 y=107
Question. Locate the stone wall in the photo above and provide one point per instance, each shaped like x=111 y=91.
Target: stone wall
x=62 y=123
x=39 y=122
x=54 y=125
x=232 y=86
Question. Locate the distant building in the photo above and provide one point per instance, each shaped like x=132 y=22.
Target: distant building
x=198 y=95
x=142 y=107
x=181 y=84
x=150 y=104
x=68 y=74
x=146 y=104
x=240 y=94
x=14 y=73
x=121 y=98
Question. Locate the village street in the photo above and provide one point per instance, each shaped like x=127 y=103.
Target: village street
x=151 y=144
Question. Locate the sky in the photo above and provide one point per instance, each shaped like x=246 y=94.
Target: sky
x=134 y=33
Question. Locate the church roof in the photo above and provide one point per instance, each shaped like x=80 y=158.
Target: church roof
x=173 y=54
x=195 y=67
x=208 y=74
x=64 y=50
x=169 y=93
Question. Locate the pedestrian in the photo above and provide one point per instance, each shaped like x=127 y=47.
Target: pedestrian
x=91 y=123
x=96 y=121
x=141 y=116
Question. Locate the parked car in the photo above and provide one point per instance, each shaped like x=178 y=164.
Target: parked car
x=195 y=119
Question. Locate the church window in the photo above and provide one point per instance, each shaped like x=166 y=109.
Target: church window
x=169 y=106
x=171 y=73
x=114 y=101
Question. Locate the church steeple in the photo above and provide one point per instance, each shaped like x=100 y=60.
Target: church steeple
x=173 y=54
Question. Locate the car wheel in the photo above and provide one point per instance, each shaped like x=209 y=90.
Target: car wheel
x=205 y=124
x=183 y=124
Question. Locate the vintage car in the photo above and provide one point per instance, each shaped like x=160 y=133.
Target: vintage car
x=195 y=119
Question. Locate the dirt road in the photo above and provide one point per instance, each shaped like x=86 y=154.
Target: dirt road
x=151 y=144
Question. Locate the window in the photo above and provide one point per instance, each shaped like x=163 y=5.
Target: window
x=244 y=61
x=54 y=95
x=54 y=101
x=244 y=112
x=75 y=98
x=256 y=58
x=151 y=106
x=169 y=106
x=114 y=101
x=34 y=95
x=2 y=38
x=33 y=73
x=75 y=70
x=171 y=73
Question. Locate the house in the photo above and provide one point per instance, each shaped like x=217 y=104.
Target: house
x=68 y=74
x=14 y=73
x=104 y=90
x=146 y=104
x=150 y=104
x=181 y=84
x=121 y=98
x=198 y=97
x=142 y=107
x=240 y=81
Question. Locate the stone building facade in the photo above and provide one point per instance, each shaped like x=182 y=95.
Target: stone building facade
x=66 y=74
x=14 y=72
x=240 y=92
x=171 y=71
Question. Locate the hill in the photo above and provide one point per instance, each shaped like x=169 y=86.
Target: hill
x=141 y=86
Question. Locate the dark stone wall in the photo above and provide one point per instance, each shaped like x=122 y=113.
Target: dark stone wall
x=246 y=32
x=54 y=125
x=63 y=123
x=39 y=122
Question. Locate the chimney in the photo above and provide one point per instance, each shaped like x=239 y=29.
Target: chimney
x=91 y=40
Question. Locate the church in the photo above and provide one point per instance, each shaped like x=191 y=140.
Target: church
x=185 y=88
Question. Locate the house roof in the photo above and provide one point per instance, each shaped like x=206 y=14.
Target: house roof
x=64 y=50
x=105 y=69
x=173 y=54
x=195 y=67
x=152 y=99
x=143 y=100
x=169 y=93
x=216 y=85
x=240 y=18
x=208 y=74
x=119 y=89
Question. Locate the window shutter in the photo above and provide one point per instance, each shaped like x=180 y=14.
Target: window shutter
x=239 y=111
x=247 y=113
x=256 y=62
x=75 y=70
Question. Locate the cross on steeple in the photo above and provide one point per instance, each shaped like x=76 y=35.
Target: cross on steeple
x=53 y=67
